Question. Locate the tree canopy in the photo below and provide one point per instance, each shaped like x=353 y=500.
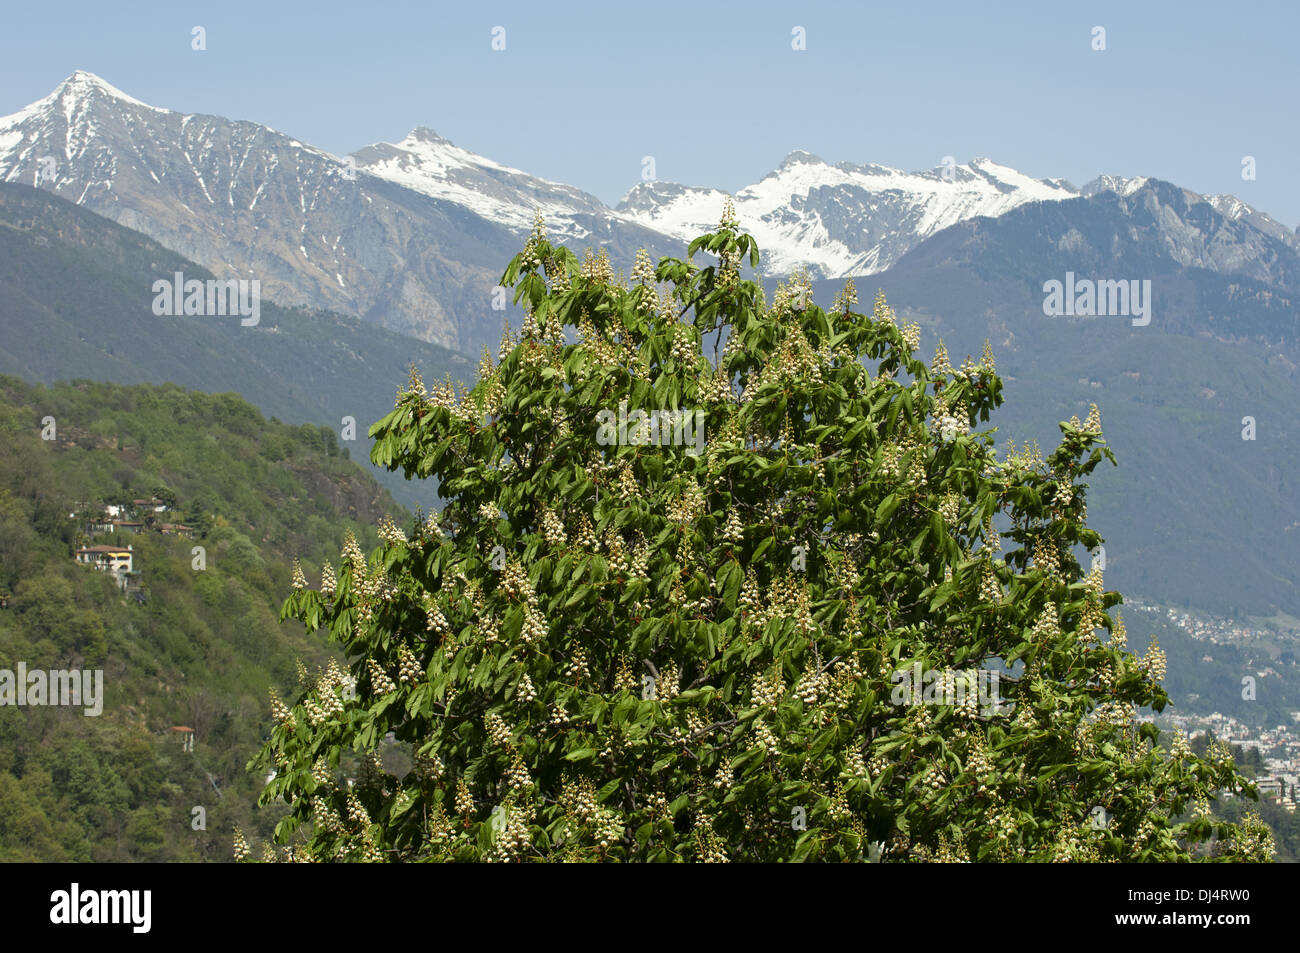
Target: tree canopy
x=722 y=579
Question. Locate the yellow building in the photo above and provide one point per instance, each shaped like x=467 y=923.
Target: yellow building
x=113 y=559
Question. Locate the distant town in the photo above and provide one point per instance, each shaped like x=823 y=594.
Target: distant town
x=1278 y=745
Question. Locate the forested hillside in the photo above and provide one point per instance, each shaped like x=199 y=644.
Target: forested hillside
x=204 y=646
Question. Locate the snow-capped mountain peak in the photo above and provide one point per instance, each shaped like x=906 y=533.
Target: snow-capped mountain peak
x=1119 y=184
x=82 y=84
x=75 y=94
x=800 y=157
x=425 y=229
x=432 y=165
x=70 y=125
x=842 y=219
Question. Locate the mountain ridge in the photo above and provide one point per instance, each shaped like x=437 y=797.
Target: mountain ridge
x=412 y=235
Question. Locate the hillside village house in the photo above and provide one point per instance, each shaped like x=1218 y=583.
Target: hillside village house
x=112 y=559
x=110 y=519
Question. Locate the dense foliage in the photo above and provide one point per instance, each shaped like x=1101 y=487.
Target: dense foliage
x=202 y=651
x=609 y=647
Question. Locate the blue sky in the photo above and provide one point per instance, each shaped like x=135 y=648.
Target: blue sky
x=714 y=91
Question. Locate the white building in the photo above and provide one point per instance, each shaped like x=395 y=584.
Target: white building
x=112 y=559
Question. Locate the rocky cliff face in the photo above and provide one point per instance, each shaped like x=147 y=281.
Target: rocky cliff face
x=246 y=201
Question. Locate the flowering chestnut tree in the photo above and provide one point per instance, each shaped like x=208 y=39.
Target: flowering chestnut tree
x=624 y=639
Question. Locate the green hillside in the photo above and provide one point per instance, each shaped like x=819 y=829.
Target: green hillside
x=201 y=652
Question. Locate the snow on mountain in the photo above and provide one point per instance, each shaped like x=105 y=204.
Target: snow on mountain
x=91 y=133
x=676 y=210
x=1235 y=209
x=413 y=234
x=426 y=162
x=842 y=219
x=246 y=201
x=73 y=99
x=1119 y=184
x=64 y=126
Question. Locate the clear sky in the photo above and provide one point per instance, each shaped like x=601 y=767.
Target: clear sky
x=713 y=90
